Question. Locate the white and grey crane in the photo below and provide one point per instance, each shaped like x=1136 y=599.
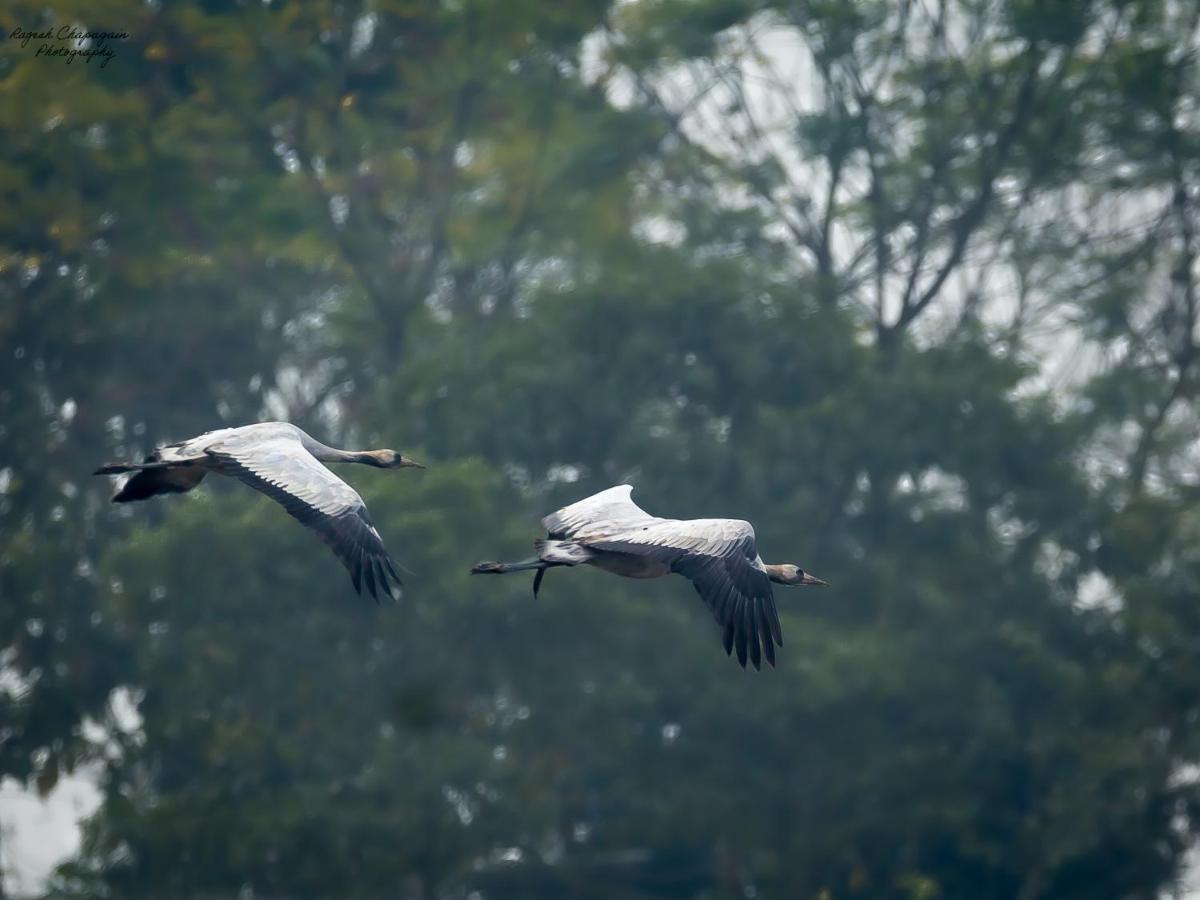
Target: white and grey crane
x=283 y=462
x=719 y=556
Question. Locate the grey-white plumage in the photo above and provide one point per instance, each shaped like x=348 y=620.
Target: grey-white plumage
x=719 y=556
x=283 y=462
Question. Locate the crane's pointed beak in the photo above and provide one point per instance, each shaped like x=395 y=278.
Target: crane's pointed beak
x=813 y=580
x=405 y=463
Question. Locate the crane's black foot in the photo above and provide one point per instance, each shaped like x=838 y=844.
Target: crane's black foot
x=489 y=568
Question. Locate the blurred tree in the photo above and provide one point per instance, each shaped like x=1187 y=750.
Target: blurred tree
x=117 y=327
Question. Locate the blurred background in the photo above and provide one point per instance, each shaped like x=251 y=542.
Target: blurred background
x=912 y=285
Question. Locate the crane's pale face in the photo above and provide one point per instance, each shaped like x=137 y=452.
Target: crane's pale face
x=797 y=575
x=390 y=459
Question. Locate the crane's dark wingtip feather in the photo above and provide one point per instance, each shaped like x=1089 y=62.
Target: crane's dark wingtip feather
x=537 y=582
x=763 y=621
x=751 y=626
x=391 y=567
x=773 y=621
x=368 y=568
x=385 y=583
x=394 y=586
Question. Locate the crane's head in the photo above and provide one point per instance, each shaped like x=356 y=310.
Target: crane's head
x=390 y=459
x=792 y=574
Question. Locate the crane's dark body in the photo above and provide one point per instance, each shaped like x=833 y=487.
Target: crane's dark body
x=149 y=480
x=719 y=556
x=283 y=462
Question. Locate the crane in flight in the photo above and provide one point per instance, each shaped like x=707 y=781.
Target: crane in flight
x=281 y=461
x=719 y=556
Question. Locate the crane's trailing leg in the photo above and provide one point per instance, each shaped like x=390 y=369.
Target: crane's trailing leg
x=550 y=554
x=502 y=568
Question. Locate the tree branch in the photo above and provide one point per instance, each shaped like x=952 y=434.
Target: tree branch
x=973 y=216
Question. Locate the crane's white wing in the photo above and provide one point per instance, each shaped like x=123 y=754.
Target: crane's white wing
x=607 y=512
x=282 y=469
x=720 y=558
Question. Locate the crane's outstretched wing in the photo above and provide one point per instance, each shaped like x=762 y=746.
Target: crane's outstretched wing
x=607 y=512
x=720 y=558
x=283 y=470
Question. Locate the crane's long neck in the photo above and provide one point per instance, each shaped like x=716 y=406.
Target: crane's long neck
x=325 y=453
x=367 y=457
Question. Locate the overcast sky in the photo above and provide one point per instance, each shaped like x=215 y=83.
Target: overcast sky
x=36 y=835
